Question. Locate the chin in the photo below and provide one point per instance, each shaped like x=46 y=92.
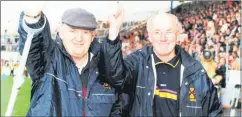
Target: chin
x=78 y=53
x=163 y=53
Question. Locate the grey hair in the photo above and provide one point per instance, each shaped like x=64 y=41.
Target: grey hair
x=161 y=15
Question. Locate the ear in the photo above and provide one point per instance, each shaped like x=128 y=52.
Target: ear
x=61 y=32
x=93 y=35
x=149 y=37
x=179 y=37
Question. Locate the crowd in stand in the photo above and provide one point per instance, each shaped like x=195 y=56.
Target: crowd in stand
x=206 y=25
x=209 y=26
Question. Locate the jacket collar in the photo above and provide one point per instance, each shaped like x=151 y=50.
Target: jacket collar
x=190 y=64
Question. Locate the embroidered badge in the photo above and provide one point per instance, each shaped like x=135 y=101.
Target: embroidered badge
x=192 y=95
x=106 y=86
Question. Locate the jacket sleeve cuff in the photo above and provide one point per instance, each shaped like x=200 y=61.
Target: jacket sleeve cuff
x=37 y=24
x=34 y=28
x=113 y=42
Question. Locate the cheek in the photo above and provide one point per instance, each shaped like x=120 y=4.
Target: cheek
x=66 y=41
x=68 y=45
x=68 y=36
x=87 y=41
x=172 y=41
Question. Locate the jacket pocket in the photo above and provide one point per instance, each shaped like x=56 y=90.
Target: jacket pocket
x=193 y=110
x=193 y=107
x=100 y=104
x=40 y=105
x=74 y=94
x=138 y=103
x=103 y=98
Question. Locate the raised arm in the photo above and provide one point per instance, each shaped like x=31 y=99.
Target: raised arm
x=35 y=23
x=120 y=72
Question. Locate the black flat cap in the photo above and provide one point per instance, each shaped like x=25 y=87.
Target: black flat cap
x=79 y=18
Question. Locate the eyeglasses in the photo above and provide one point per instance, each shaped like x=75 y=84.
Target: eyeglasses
x=168 y=35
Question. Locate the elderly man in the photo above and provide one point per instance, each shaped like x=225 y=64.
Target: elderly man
x=165 y=80
x=65 y=71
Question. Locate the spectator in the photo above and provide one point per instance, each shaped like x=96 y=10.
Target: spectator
x=235 y=62
x=210 y=66
x=222 y=71
x=210 y=28
x=11 y=69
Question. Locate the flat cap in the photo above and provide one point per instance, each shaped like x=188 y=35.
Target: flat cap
x=79 y=18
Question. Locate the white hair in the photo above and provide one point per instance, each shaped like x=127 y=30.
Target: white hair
x=159 y=16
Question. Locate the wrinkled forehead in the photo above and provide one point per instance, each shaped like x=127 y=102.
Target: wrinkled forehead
x=165 y=22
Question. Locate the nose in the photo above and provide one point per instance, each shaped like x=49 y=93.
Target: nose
x=79 y=36
x=163 y=37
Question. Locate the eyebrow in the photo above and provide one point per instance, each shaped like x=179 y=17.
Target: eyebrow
x=169 y=30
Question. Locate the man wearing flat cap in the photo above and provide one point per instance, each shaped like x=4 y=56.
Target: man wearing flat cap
x=66 y=74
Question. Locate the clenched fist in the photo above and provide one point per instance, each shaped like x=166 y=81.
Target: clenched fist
x=115 y=21
x=32 y=10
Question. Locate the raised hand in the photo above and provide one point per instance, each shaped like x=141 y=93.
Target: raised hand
x=33 y=8
x=115 y=21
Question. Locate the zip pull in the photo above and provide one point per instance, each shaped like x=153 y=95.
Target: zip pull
x=179 y=113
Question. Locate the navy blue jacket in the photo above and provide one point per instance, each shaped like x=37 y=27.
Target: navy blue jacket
x=56 y=88
x=136 y=74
